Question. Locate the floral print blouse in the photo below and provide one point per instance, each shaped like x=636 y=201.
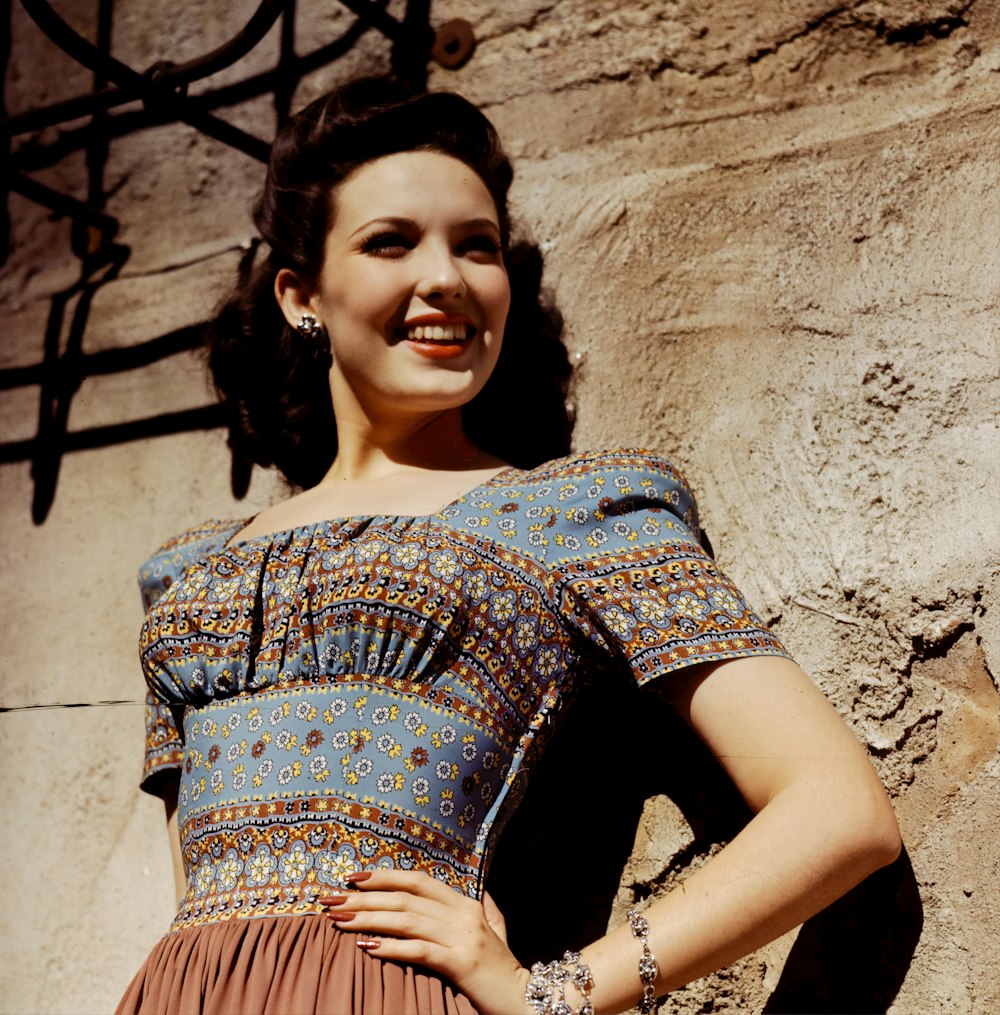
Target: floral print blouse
x=365 y=692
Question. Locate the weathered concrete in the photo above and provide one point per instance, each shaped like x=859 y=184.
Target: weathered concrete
x=771 y=228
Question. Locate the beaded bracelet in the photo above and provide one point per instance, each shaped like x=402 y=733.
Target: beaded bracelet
x=647 y=963
x=546 y=990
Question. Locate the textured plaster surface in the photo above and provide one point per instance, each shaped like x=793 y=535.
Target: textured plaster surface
x=772 y=231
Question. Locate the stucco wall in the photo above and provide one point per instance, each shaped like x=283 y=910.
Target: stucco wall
x=772 y=231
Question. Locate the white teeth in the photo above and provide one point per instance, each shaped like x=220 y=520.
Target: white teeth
x=437 y=333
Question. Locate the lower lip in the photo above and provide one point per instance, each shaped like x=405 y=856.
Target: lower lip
x=439 y=350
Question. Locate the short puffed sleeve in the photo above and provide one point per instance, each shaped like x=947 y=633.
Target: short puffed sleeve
x=164 y=747
x=164 y=752
x=638 y=582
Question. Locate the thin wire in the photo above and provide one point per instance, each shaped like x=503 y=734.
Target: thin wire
x=67 y=704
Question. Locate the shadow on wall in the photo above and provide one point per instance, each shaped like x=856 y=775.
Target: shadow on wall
x=575 y=831
x=153 y=98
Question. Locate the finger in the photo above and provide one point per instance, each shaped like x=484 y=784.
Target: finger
x=413 y=952
x=415 y=882
x=380 y=923
x=344 y=907
x=448 y=934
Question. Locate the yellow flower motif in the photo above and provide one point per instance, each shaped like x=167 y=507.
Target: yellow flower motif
x=266 y=736
x=469 y=738
x=257 y=782
x=286 y=709
x=351 y=778
x=398 y=781
x=396 y=750
x=296 y=768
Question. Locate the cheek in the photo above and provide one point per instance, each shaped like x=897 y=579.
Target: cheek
x=359 y=297
x=499 y=297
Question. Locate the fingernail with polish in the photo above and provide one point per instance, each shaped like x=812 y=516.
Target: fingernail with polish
x=339 y=916
x=367 y=944
x=336 y=899
x=359 y=876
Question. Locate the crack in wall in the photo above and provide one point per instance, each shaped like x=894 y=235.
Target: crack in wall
x=808 y=29
x=912 y=33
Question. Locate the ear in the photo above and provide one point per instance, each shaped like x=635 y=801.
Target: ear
x=294 y=297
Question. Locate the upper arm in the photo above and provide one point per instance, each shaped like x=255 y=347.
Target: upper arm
x=770 y=726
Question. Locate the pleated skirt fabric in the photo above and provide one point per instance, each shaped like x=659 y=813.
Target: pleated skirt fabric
x=291 y=965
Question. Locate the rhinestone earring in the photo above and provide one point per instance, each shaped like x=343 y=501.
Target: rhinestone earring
x=309 y=327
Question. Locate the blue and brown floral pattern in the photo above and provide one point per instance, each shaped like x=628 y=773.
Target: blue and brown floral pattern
x=363 y=692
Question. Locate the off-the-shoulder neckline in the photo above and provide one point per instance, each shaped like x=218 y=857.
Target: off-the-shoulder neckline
x=340 y=521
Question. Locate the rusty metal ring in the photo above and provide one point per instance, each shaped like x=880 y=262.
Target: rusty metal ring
x=454 y=43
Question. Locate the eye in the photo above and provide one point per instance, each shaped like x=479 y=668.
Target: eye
x=389 y=243
x=480 y=243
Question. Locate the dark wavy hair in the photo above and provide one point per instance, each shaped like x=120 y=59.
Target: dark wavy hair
x=273 y=380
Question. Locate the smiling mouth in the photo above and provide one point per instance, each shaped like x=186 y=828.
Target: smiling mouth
x=444 y=333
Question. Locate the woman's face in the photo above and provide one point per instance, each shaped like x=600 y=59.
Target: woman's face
x=413 y=291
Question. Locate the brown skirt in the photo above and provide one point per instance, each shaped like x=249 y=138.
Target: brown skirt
x=289 y=965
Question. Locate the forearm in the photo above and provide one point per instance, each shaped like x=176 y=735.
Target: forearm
x=809 y=845
x=177 y=862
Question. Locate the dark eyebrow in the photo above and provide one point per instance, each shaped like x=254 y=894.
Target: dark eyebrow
x=399 y=222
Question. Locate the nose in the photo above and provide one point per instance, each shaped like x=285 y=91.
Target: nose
x=440 y=275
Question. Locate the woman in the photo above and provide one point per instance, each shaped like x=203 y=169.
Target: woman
x=353 y=683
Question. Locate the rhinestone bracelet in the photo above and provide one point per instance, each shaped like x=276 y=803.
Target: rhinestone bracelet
x=647 y=963
x=546 y=990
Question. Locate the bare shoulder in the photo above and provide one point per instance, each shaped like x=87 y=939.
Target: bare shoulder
x=407 y=493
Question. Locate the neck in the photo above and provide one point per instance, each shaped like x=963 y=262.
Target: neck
x=366 y=453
